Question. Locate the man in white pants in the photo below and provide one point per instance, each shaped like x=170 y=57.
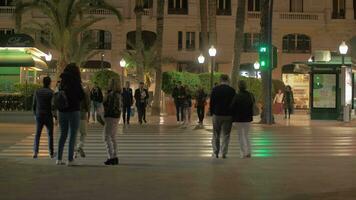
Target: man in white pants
x=242 y=106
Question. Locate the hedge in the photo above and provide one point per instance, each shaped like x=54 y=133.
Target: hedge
x=101 y=78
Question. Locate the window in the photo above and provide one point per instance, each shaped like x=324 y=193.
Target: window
x=180 y=40
x=338 y=9
x=5 y=31
x=296 y=5
x=190 y=41
x=101 y=39
x=6 y=2
x=223 y=7
x=296 y=43
x=251 y=41
x=148 y=39
x=253 y=6
x=147 y=4
x=354 y=3
x=178 y=7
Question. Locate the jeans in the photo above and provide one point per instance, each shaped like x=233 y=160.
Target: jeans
x=179 y=111
x=83 y=130
x=201 y=113
x=141 y=112
x=44 y=120
x=126 y=114
x=69 y=123
x=110 y=130
x=221 y=126
x=243 y=130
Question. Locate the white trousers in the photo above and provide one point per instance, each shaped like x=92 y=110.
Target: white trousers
x=110 y=130
x=243 y=129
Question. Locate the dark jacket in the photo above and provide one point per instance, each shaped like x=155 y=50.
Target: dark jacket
x=127 y=97
x=139 y=99
x=242 y=107
x=288 y=99
x=201 y=98
x=179 y=95
x=73 y=90
x=96 y=95
x=188 y=100
x=42 y=102
x=220 y=100
x=113 y=105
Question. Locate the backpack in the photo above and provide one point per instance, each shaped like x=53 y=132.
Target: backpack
x=112 y=105
x=61 y=100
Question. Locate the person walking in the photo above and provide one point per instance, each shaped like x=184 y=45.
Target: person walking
x=68 y=104
x=220 y=100
x=278 y=102
x=187 y=105
x=141 y=98
x=96 y=96
x=178 y=95
x=288 y=102
x=83 y=125
x=43 y=111
x=242 y=107
x=127 y=102
x=200 y=103
x=112 y=112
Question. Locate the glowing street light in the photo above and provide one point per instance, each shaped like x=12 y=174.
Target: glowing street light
x=48 y=57
x=123 y=63
x=212 y=51
x=201 y=59
x=256 y=65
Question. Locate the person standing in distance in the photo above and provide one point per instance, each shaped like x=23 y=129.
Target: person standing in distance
x=200 y=104
x=43 y=111
x=179 y=96
x=288 y=102
x=141 y=98
x=127 y=102
x=220 y=100
x=96 y=96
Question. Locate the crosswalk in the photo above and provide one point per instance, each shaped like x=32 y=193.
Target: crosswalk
x=166 y=142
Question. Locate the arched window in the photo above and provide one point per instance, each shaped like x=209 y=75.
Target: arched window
x=148 y=39
x=101 y=39
x=296 y=43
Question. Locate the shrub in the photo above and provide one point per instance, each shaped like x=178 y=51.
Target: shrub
x=101 y=78
x=26 y=89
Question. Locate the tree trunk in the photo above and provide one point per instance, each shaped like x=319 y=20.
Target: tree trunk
x=156 y=108
x=239 y=40
x=212 y=22
x=204 y=29
x=138 y=40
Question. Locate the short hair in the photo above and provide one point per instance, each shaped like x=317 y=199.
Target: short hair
x=47 y=81
x=224 y=78
x=242 y=85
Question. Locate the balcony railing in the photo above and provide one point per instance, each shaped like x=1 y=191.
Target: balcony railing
x=100 y=12
x=7 y=10
x=147 y=12
x=253 y=15
x=299 y=16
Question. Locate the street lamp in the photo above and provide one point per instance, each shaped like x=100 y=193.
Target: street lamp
x=201 y=60
x=346 y=88
x=48 y=57
x=212 y=54
x=256 y=66
x=123 y=66
x=343 y=48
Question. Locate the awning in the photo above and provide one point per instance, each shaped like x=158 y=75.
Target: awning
x=20 y=58
x=96 y=64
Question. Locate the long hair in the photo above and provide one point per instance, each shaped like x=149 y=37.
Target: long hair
x=114 y=85
x=73 y=69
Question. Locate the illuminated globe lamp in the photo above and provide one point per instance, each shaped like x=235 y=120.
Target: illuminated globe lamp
x=343 y=48
x=212 y=51
x=201 y=59
x=123 y=63
x=48 y=57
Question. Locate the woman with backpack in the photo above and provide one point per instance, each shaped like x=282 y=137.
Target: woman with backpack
x=112 y=112
x=67 y=101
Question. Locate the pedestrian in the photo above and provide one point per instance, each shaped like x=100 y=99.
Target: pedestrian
x=178 y=95
x=278 y=102
x=242 y=107
x=83 y=125
x=112 y=112
x=220 y=100
x=200 y=104
x=187 y=106
x=68 y=104
x=127 y=102
x=44 y=113
x=141 y=98
x=96 y=97
x=288 y=102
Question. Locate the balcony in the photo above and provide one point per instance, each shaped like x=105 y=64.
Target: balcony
x=147 y=12
x=226 y=12
x=177 y=11
x=100 y=12
x=7 y=10
x=299 y=16
x=253 y=15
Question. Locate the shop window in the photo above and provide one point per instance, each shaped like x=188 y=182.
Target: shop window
x=338 y=9
x=251 y=41
x=190 y=41
x=5 y=31
x=178 y=7
x=6 y=2
x=253 y=6
x=296 y=5
x=101 y=39
x=296 y=43
x=223 y=7
x=148 y=39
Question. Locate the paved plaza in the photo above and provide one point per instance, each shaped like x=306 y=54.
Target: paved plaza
x=296 y=160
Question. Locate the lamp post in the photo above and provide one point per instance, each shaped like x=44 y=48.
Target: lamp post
x=346 y=90
x=102 y=61
x=343 y=48
x=212 y=54
x=123 y=66
x=256 y=66
x=201 y=60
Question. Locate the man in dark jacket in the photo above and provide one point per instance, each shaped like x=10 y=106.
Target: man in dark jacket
x=43 y=110
x=127 y=102
x=179 y=95
x=220 y=100
x=141 y=98
x=242 y=106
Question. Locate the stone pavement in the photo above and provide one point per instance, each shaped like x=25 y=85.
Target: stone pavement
x=167 y=161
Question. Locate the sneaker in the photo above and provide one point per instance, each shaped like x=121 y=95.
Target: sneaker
x=59 y=162
x=81 y=152
x=52 y=155
x=215 y=155
x=115 y=161
x=248 y=156
x=109 y=161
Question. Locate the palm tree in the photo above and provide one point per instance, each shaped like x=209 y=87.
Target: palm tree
x=159 y=45
x=212 y=22
x=138 y=37
x=204 y=27
x=67 y=20
x=239 y=40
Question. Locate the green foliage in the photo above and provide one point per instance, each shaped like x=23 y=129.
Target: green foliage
x=254 y=86
x=277 y=85
x=101 y=78
x=26 y=89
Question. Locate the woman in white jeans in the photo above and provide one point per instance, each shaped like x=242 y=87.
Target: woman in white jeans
x=242 y=106
x=112 y=112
